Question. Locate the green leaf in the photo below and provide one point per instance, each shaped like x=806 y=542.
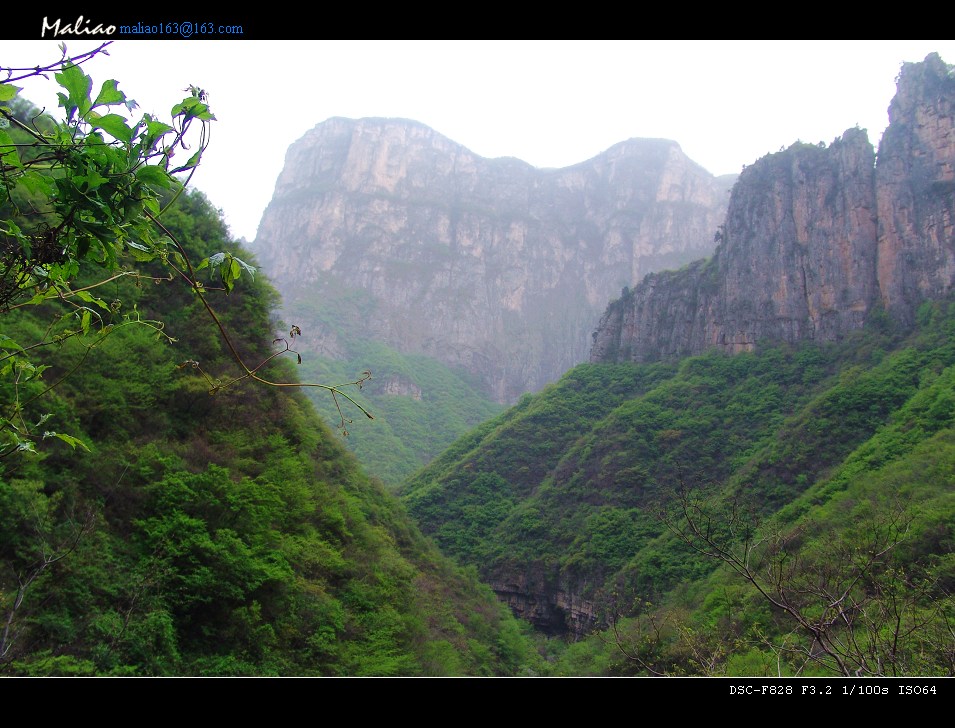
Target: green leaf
x=8 y=152
x=193 y=161
x=85 y=321
x=8 y=91
x=7 y=343
x=38 y=184
x=109 y=94
x=68 y=439
x=79 y=86
x=82 y=247
x=156 y=128
x=90 y=181
x=246 y=267
x=87 y=297
x=192 y=108
x=140 y=252
x=153 y=175
x=115 y=126
x=41 y=297
x=32 y=372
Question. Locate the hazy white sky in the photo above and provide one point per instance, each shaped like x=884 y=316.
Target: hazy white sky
x=550 y=103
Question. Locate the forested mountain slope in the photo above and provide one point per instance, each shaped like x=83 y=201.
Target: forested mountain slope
x=755 y=473
x=222 y=532
x=571 y=504
x=421 y=405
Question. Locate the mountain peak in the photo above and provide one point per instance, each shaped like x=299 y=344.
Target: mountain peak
x=488 y=265
x=815 y=239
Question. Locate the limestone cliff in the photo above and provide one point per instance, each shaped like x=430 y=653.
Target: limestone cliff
x=550 y=601
x=814 y=239
x=915 y=188
x=387 y=229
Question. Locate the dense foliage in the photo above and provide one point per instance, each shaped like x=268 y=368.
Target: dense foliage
x=189 y=514
x=225 y=534
x=794 y=455
x=420 y=406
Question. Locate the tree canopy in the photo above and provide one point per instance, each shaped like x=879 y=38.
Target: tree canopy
x=83 y=201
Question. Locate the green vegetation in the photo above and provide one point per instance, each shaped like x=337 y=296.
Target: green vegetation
x=170 y=503
x=668 y=495
x=420 y=406
x=189 y=515
x=217 y=535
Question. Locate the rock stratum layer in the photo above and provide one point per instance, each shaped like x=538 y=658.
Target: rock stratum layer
x=815 y=239
x=385 y=228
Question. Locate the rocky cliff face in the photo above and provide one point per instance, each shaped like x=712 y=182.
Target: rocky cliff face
x=387 y=229
x=915 y=188
x=814 y=239
x=551 y=602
